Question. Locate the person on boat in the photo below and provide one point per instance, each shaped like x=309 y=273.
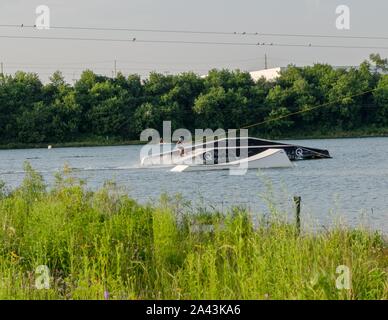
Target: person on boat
x=161 y=141
x=180 y=147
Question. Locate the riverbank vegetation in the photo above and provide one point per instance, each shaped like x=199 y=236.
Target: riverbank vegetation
x=99 y=109
x=104 y=245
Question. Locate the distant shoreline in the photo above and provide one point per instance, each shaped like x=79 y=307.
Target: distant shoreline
x=111 y=143
x=77 y=144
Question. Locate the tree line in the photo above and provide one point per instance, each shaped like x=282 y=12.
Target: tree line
x=122 y=107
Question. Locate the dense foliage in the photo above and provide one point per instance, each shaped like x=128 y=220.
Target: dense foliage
x=121 y=107
x=103 y=244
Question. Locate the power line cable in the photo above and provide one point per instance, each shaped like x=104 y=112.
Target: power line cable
x=250 y=44
x=201 y=32
x=300 y=111
x=311 y=108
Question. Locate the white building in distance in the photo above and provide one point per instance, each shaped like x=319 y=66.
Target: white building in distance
x=267 y=74
x=273 y=73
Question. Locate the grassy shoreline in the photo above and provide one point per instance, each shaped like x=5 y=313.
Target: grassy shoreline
x=103 y=244
x=100 y=142
x=76 y=144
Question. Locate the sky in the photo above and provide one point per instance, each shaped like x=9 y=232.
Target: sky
x=307 y=17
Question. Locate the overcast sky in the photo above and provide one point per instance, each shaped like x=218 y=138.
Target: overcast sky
x=368 y=18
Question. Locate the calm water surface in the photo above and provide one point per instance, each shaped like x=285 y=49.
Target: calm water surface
x=352 y=185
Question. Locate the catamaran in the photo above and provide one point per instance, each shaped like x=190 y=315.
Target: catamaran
x=232 y=153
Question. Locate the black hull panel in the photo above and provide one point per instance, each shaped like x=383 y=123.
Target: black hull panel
x=232 y=148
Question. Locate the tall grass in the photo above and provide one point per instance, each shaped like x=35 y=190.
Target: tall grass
x=100 y=244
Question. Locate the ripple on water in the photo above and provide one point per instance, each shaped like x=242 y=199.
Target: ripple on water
x=355 y=181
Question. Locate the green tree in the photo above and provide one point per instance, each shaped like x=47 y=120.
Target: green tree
x=124 y=106
x=85 y=99
x=208 y=109
x=349 y=97
x=65 y=113
x=278 y=121
x=381 y=100
x=179 y=100
x=18 y=95
x=108 y=114
x=380 y=63
x=148 y=116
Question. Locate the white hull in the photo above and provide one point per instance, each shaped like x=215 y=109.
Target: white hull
x=271 y=158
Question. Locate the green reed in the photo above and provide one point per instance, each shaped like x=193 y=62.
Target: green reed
x=102 y=244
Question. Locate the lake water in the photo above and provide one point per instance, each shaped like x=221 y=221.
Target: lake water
x=353 y=185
